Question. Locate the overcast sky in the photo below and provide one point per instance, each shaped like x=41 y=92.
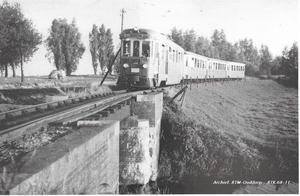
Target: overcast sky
x=270 y=22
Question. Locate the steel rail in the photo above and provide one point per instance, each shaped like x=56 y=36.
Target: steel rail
x=29 y=109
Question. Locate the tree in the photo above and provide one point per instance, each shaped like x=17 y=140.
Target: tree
x=290 y=61
x=72 y=48
x=177 y=36
x=219 y=41
x=265 y=60
x=21 y=39
x=93 y=43
x=54 y=42
x=275 y=66
x=105 y=47
x=249 y=55
x=64 y=45
x=190 y=40
x=10 y=15
x=109 y=47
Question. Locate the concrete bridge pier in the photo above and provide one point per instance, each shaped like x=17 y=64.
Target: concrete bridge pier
x=139 y=140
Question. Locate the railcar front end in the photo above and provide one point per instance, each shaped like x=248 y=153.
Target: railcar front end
x=136 y=71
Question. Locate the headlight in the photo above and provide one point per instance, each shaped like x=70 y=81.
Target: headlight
x=125 y=65
x=145 y=66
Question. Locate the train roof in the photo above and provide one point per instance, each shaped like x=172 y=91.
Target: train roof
x=241 y=64
x=212 y=59
x=194 y=54
x=147 y=33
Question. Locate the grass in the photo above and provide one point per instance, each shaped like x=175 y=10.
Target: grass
x=235 y=131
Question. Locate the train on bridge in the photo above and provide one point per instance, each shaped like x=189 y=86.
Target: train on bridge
x=150 y=59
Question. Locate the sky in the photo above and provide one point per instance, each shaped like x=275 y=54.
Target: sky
x=269 y=22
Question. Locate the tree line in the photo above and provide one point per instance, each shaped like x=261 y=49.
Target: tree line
x=19 y=40
x=258 y=62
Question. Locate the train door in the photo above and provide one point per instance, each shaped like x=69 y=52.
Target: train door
x=208 y=70
x=167 y=62
x=162 y=65
x=156 y=63
x=186 y=64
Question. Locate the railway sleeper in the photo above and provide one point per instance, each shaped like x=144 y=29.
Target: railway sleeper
x=51 y=107
x=9 y=116
x=93 y=117
x=25 y=113
x=66 y=102
x=81 y=99
x=39 y=109
x=61 y=104
x=87 y=97
x=105 y=113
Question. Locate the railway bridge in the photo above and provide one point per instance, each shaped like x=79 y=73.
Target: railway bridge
x=117 y=146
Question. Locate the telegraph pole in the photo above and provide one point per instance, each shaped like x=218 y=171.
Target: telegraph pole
x=122 y=14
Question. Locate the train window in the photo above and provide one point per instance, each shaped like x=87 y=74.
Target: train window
x=195 y=63
x=174 y=56
x=146 y=48
x=179 y=57
x=170 y=52
x=162 y=51
x=156 y=53
x=136 y=48
x=126 y=48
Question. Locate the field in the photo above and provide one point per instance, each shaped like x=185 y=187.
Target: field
x=246 y=130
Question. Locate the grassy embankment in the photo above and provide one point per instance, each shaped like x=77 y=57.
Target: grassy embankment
x=231 y=131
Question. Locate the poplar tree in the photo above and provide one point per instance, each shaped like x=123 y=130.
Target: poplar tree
x=105 y=47
x=64 y=45
x=93 y=43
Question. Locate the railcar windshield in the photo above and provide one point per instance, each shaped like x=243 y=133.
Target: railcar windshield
x=146 y=48
x=126 y=48
x=136 y=48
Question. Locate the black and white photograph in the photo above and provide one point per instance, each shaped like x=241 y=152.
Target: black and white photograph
x=149 y=97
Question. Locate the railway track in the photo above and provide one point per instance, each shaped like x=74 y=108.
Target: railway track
x=19 y=122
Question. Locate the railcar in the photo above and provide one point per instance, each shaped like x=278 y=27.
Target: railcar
x=195 y=65
x=236 y=70
x=149 y=59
